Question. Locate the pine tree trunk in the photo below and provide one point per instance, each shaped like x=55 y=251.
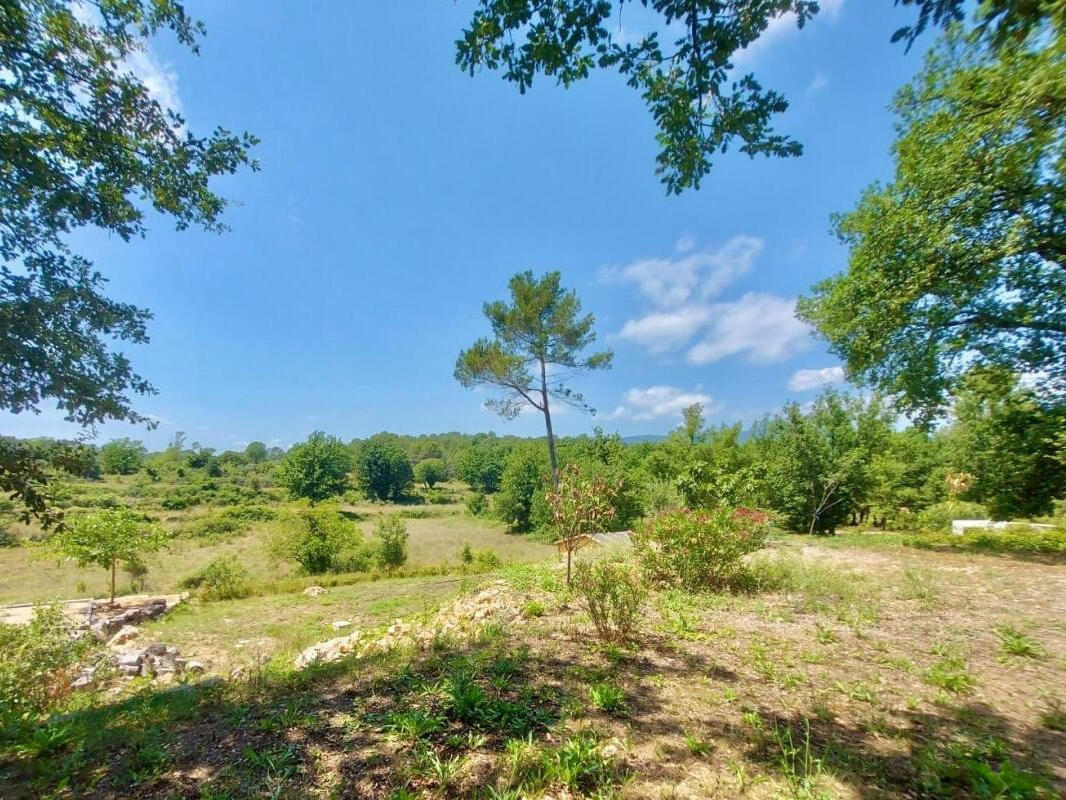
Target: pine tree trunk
x=551 y=442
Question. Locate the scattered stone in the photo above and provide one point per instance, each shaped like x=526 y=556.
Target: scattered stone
x=341 y=623
x=315 y=591
x=461 y=619
x=194 y=667
x=125 y=633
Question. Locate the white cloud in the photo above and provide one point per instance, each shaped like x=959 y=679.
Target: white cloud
x=159 y=78
x=654 y=402
x=778 y=28
x=760 y=327
x=805 y=379
x=685 y=243
x=665 y=330
x=818 y=82
x=695 y=275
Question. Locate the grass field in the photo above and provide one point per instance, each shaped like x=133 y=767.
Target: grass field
x=857 y=668
x=28 y=574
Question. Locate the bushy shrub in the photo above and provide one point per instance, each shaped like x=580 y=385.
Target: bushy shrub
x=36 y=662
x=319 y=539
x=476 y=504
x=222 y=578
x=431 y=471
x=391 y=549
x=699 y=550
x=612 y=593
x=215 y=527
x=179 y=499
x=938 y=516
x=7 y=538
x=478 y=560
x=250 y=513
x=1013 y=539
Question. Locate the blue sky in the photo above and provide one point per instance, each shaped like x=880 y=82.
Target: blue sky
x=397 y=194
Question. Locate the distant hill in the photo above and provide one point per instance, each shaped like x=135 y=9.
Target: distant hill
x=651 y=437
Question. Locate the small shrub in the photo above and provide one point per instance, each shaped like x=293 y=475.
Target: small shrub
x=7 y=538
x=699 y=550
x=938 y=516
x=36 y=662
x=215 y=527
x=391 y=549
x=534 y=608
x=222 y=578
x=476 y=504
x=466 y=555
x=613 y=596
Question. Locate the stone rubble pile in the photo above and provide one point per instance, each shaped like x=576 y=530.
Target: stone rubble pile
x=460 y=619
x=119 y=630
x=105 y=627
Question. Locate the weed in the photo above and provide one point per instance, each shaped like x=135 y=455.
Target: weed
x=1014 y=642
x=797 y=763
x=1054 y=716
x=949 y=672
x=696 y=745
x=413 y=724
x=608 y=698
x=980 y=769
x=534 y=608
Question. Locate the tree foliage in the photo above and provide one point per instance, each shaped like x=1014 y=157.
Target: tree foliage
x=481 y=466
x=537 y=346
x=108 y=538
x=1009 y=441
x=256 y=452
x=579 y=505
x=384 y=470
x=818 y=464
x=961 y=259
x=700 y=104
x=122 y=456
x=431 y=471
x=316 y=469
x=84 y=143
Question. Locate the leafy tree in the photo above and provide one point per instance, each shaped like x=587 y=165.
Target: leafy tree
x=524 y=476
x=107 y=539
x=316 y=469
x=579 y=505
x=1007 y=437
x=85 y=144
x=431 y=471
x=391 y=550
x=256 y=452
x=719 y=472
x=122 y=456
x=698 y=106
x=384 y=471
x=961 y=259
x=537 y=345
x=693 y=424
x=818 y=464
x=481 y=466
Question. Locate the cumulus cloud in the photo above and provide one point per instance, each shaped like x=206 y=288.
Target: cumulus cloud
x=760 y=327
x=654 y=402
x=806 y=379
x=693 y=275
x=665 y=330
